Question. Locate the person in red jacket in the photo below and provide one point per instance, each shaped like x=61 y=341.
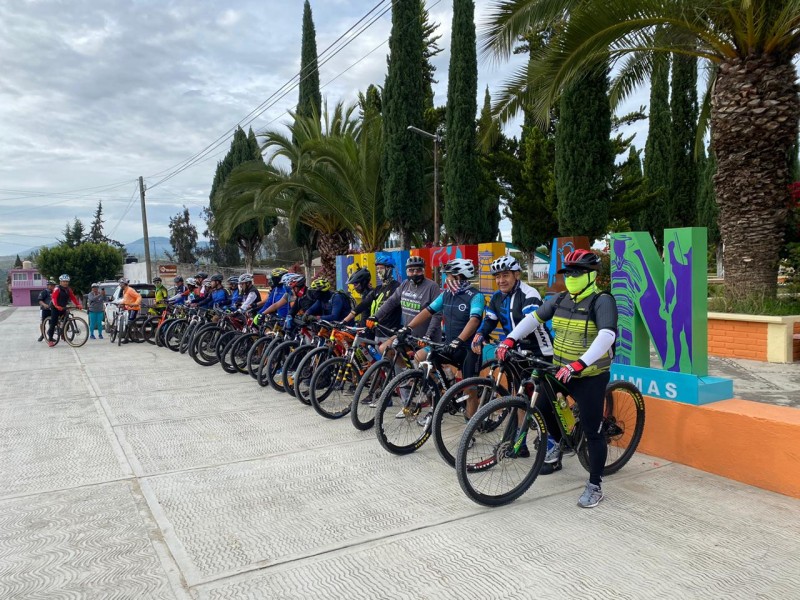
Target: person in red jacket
x=59 y=299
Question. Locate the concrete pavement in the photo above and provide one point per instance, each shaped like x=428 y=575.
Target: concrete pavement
x=132 y=472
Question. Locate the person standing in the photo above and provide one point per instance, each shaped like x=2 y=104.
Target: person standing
x=44 y=304
x=95 y=306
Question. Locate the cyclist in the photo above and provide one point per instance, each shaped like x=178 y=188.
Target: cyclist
x=248 y=295
x=277 y=301
x=131 y=300
x=585 y=323
x=298 y=297
x=200 y=278
x=182 y=291
x=373 y=299
x=328 y=305
x=60 y=296
x=161 y=295
x=215 y=295
x=44 y=303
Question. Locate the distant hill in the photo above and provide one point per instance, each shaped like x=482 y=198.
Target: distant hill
x=158 y=246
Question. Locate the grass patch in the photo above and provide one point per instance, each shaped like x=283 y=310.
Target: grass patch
x=755 y=304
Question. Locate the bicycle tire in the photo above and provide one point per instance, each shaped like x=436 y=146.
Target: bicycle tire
x=256 y=352
x=186 y=338
x=623 y=403
x=202 y=348
x=227 y=365
x=489 y=456
x=199 y=330
x=288 y=374
x=262 y=375
x=148 y=329
x=240 y=350
x=122 y=329
x=407 y=432
x=76 y=331
x=222 y=341
x=330 y=385
x=305 y=371
x=449 y=418
x=274 y=365
x=174 y=334
x=370 y=386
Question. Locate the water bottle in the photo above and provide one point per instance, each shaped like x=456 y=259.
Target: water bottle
x=374 y=352
x=565 y=413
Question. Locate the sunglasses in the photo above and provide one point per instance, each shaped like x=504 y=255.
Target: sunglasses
x=415 y=270
x=575 y=272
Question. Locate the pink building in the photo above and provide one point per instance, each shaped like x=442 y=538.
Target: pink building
x=26 y=283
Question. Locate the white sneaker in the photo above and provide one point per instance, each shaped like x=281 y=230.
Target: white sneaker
x=425 y=420
x=591 y=496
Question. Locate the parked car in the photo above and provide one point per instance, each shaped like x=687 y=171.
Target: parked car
x=111 y=291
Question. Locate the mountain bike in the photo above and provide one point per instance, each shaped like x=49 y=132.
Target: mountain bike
x=415 y=392
x=73 y=330
x=491 y=465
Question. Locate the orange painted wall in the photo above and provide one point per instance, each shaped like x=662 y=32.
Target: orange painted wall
x=750 y=442
x=737 y=339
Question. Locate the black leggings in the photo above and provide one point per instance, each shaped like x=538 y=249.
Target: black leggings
x=55 y=315
x=589 y=393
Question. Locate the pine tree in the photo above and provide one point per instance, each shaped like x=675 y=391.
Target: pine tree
x=654 y=218
x=584 y=158
x=183 y=237
x=96 y=230
x=403 y=105
x=682 y=167
x=463 y=209
x=18 y=263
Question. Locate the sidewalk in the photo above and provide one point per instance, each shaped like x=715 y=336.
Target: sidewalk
x=132 y=472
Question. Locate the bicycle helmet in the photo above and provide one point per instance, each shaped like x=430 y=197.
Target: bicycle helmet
x=360 y=279
x=460 y=266
x=95 y=285
x=384 y=261
x=216 y=277
x=234 y=280
x=278 y=272
x=580 y=260
x=157 y=279
x=201 y=275
x=246 y=278
x=504 y=263
x=191 y=281
x=178 y=279
x=64 y=277
x=415 y=261
x=51 y=282
x=122 y=281
x=293 y=280
x=321 y=285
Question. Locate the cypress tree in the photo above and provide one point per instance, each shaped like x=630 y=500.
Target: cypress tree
x=463 y=210
x=584 y=157
x=682 y=166
x=489 y=188
x=535 y=219
x=18 y=262
x=654 y=218
x=96 y=229
x=403 y=105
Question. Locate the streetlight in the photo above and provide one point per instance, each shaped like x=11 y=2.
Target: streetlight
x=437 y=138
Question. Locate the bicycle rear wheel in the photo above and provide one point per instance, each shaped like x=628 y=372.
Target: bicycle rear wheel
x=273 y=369
x=305 y=371
x=240 y=350
x=148 y=329
x=368 y=392
x=403 y=415
x=76 y=331
x=174 y=333
x=255 y=353
x=491 y=466
x=289 y=373
x=332 y=387
x=622 y=426
x=450 y=417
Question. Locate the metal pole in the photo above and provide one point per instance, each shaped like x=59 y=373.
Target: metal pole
x=436 y=190
x=144 y=229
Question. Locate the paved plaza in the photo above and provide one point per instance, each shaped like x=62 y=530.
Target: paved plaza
x=132 y=472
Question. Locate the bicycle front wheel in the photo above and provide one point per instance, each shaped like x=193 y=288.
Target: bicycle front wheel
x=76 y=331
x=368 y=392
x=305 y=371
x=332 y=387
x=622 y=426
x=450 y=417
x=403 y=414
x=497 y=461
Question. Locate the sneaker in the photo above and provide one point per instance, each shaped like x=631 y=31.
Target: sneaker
x=51 y=343
x=100 y=337
x=91 y=337
x=553 y=451
x=591 y=496
x=401 y=414
x=550 y=468
x=368 y=400
x=41 y=337
x=524 y=452
x=425 y=420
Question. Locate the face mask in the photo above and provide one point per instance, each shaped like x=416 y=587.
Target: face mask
x=417 y=278
x=456 y=285
x=576 y=285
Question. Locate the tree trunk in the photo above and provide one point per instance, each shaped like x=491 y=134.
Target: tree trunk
x=754 y=117
x=330 y=245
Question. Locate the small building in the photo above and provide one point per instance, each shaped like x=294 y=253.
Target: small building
x=26 y=283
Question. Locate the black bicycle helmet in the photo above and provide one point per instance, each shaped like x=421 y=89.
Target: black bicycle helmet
x=201 y=275
x=361 y=277
x=415 y=261
x=216 y=277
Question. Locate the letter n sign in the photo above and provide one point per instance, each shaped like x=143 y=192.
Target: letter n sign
x=662 y=301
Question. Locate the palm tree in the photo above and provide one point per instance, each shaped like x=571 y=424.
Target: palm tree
x=752 y=102
x=337 y=169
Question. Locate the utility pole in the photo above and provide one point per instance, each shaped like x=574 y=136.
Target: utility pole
x=144 y=229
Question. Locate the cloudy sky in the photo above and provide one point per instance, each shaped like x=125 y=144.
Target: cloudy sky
x=94 y=94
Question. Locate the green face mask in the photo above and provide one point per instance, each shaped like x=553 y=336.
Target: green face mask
x=575 y=285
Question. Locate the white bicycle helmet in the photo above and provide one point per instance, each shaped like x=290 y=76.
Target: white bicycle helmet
x=289 y=277
x=504 y=263
x=460 y=266
x=64 y=277
x=246 y=278
x=191 y=281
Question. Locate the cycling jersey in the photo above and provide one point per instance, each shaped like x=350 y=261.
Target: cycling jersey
x=509 y=309
x=375 y=298
x=335 y=309
x=412 y=298
x=457 y=310
x=61 y=296
x=250 y=298
x=181 y=293
x=275 y=295
x=161 y=297
x=217 y=299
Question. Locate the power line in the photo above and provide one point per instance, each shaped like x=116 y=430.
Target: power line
x=40 y=206
x=127 y=209
x=280 y=93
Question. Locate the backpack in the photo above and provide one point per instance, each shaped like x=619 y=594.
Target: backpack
x=349 y=297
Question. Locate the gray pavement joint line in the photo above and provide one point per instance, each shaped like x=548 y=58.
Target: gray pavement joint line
x=46 y=491
x=6 y=313
x=177 y=551
x=160 y=546
x=377 y=540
